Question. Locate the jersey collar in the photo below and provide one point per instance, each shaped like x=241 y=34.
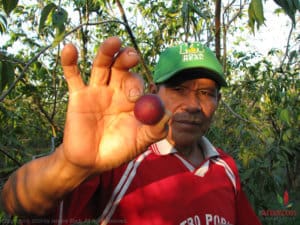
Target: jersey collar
x=163 y=147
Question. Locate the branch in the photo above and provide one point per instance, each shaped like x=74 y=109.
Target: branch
x=23 y=72
x=54 y=85
x=242 y=119
x=226 y=26
x=237 y=14
x=133 y=40
x=234 y=113
x=32 y=60
x=218 y=29
x=10 y=157
x=10 y=59
x=45 y=113
x=287 y=46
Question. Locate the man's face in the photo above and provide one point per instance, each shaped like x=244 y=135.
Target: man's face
x=192 y=103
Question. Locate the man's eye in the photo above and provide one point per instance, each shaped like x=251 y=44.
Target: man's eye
x=210 y=93
x=202 y=92
x=179 y=89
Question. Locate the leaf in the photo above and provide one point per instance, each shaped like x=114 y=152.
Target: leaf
x=3 y=24
x=7 y=75
x=285 y=197
x=58 y=37
x=291 y=10
x=44 y=16
x=284 y=116
x=251 y=16
x=1 y=66
x=259 y=12
x=256 y=14
x=59 y=17
x=297 y=4
x=290 y=7
x=287 y=135
x=279 y=199
x=9 y=5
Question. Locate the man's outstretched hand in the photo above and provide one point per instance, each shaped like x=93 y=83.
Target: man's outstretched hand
x=101 y=131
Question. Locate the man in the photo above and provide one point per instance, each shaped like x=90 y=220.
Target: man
x=112 y=169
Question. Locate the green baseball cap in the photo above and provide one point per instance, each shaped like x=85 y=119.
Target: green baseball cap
x=193 y=57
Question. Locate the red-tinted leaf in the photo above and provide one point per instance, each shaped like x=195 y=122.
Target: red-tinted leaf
x=285 y=197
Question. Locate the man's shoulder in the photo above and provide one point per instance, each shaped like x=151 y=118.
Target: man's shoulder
x=222 y=152
x=223 y=155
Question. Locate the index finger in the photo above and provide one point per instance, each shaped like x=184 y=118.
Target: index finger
x=69 y=57
x=104 y=59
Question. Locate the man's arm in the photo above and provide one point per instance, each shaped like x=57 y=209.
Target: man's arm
x=100 y=133
x=245 y=213
x=37 y=187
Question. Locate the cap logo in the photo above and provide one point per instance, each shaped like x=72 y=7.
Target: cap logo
x=191 y=52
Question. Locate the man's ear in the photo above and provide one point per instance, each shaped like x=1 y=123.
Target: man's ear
x=153 y=88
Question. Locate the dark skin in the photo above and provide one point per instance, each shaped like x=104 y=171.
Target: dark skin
x=101 y=132
x=99 y=122
x=192 y=113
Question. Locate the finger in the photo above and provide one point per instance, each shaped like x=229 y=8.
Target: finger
x=163 y=123
x=69 y=56
x=133 y=87
x=158 y=131
x=126 y=59
x=103 y=61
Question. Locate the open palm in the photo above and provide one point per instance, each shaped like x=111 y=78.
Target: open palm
x=101 y=131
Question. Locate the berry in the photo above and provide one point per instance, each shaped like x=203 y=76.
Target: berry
x=149 y=109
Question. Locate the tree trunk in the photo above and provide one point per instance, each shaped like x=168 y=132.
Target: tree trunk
x=218 y=28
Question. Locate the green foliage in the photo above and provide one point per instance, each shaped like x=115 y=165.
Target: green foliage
x=290 y=7
x=256 y=14
x=265 y=129
x=6 y=74
x=57 y=17
x=3 y=24
x=9 y=5
x=45 y=14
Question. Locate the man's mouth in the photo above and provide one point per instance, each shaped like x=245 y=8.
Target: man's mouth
x=188 y=119
x=192 y=122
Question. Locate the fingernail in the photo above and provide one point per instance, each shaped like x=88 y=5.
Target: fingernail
x=169 y=113
x=134 y=94
x=132 y=53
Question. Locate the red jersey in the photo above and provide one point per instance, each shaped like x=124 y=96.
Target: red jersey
x=162 y=187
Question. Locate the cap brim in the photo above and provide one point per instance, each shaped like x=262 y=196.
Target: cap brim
x=194 y=73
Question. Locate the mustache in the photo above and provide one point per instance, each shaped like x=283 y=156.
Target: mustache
x=196 y=118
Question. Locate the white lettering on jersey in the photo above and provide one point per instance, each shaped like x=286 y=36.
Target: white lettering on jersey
x=197 y=220
x=215 y=220
x=223 y=221
x=192 y=221
x=209 y=219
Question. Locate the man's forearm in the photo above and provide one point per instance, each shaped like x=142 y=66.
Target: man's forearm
x=38 y=186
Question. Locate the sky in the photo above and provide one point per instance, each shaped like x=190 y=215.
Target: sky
x=274 y=34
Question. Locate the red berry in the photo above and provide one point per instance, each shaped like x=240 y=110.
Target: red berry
x=149 y=109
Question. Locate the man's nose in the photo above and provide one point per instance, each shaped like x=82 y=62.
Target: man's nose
x=193 y=103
